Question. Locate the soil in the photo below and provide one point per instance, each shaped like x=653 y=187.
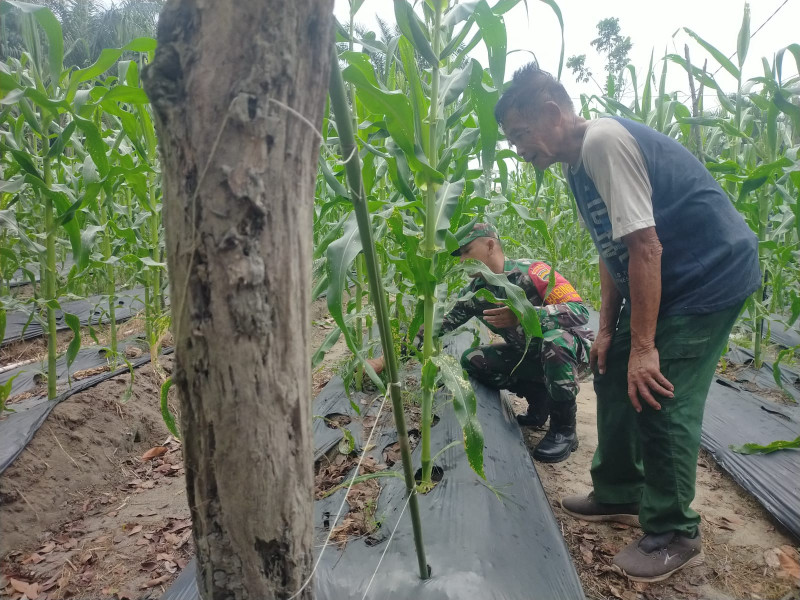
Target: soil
x=739 y=535
x=95 y=507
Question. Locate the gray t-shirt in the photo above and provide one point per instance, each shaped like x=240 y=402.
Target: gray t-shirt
x=615 y=164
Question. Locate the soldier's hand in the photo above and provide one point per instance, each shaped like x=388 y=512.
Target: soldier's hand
x=502 y=317
x=599 y=352
x=645 y=378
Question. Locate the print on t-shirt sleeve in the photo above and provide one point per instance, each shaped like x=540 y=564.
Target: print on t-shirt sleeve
x=614 y=162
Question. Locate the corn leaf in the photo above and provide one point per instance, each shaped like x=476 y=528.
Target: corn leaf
x=74 y=323
x=409 y=25
x=169 y=420
x=723 y=60
x=465 y=406
x=493 y=31
x=752 y=448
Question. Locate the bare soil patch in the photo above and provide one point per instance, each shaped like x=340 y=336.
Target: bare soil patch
x=95 y=507
x=740 y=537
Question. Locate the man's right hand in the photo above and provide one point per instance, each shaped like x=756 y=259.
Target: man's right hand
x=599 y=352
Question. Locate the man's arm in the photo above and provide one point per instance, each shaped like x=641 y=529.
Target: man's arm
x=610 y=302
x=644 y=271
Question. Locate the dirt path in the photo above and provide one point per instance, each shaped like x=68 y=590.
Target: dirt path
x=739 y=535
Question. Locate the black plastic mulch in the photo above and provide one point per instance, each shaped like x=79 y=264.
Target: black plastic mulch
x=479 y=545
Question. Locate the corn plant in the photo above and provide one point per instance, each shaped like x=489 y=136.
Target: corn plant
x=422 y=112
x=78 y=150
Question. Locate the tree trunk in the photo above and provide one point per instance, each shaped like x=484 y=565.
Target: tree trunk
x=238 y=89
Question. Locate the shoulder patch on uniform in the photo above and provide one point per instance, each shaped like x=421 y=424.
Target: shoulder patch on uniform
x=563 y=291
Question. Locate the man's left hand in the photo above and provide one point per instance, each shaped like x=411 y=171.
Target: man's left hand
x=645 y=378
x=502 y=318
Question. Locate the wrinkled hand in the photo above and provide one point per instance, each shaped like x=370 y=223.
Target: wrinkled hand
x=599 y=352
x=377 y=363
x=502 y=318
x=645 y=378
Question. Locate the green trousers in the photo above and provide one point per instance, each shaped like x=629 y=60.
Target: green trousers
x=651 y=457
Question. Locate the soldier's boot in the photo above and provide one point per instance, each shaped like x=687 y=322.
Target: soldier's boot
x=561 y=439
x=538 y=405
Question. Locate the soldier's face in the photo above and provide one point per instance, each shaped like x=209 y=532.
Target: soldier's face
x=476 y=250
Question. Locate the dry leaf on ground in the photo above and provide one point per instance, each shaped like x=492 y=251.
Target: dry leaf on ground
x=154 y=452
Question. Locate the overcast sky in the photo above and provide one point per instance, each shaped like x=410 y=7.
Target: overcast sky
x=650 y=25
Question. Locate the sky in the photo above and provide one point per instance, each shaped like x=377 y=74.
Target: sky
x=651 y=26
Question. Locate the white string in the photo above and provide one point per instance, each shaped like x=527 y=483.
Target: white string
x=389 y=541
x=341 y=506
x=349 y=158
x=297 y=114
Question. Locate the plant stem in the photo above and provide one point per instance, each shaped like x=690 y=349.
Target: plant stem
x=154 y=305
x=50 y=277
x=429 y=248
x=111 y=287
x=758 y=325
x=359 y=324
x=348 y=144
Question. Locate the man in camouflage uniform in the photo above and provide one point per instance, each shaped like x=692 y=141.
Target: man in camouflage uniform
x=547 y=374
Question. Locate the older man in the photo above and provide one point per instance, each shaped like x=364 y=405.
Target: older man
x=682 y=259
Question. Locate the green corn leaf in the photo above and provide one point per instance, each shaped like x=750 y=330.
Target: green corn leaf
x=95 y=144
x=55 y=38
x=646 y=90
x=483 y=102
x=453 y=85
x=493 y=31
x=419 y=103
x=794 y=49
x=743 y=41
x=458 y=13
x=336 y=185
x=446 y=202
x=108 y=57
x=74 y=323
x=723 y=60
x=429 y=375
x=399 y=176
x=751 y=448
x=776 y=366
x=465 y=406
x=361 y=61
x=552 y=4
x=2 y=323
x=169 y=420
x=455 y=43
x=789 y=109
x=515 y=298
x=409 y=25
x=62 y=141
x=399 y=118
x=339 y=258
x=328 y=343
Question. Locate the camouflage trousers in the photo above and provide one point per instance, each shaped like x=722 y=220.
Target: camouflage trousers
x=553 y=360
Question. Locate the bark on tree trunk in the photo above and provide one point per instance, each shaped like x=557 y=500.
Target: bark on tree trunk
x=238 y=90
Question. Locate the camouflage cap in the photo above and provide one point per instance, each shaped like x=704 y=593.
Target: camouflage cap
x=479 y=230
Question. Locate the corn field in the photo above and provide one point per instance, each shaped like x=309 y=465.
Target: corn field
x=80 y=190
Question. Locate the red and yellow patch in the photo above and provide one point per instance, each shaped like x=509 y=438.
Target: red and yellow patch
x=563 y=291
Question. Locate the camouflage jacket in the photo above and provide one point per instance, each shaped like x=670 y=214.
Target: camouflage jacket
x=561 y=309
